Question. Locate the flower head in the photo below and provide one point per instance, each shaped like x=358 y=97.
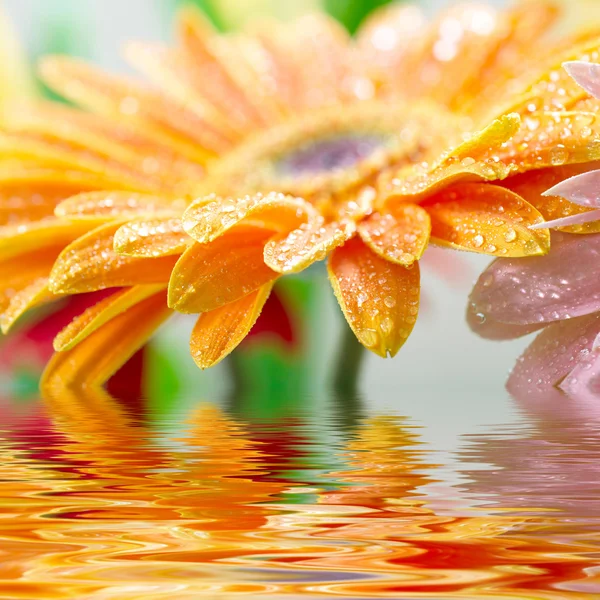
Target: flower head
x=254 y=155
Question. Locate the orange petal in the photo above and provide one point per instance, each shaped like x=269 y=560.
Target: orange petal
x=16 y=274
x=555 y=89
x=165 y=120
x=307 y=244
x=400 y=235
x=494 y=135
x=472 y=160
x=161 y=236
x=379 y=299
x=544 y=140
x=115 y=139
x=551 y=140
x=208 y=276
x=33 y=295
x=100 y=313
x=218 y=332
x=99 y=356
x=527 y=23
x=26 y=196
x=112 y=205
x=90 y=263
x=19 y=239
x=208 y=218
x=486 y=218
x=533 y=184
x=206 y=55
x=462 y=40
x=53 y=153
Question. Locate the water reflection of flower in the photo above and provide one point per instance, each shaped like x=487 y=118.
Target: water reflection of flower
x=212 y=499
x=550 y=465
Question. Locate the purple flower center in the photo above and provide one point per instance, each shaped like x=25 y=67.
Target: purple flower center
x=332 y=154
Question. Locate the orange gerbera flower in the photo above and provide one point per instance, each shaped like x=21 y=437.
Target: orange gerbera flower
x=254 y=155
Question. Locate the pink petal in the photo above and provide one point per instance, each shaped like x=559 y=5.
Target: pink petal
x=583 y=189
x=586 y=74
x=587 y=217
x=584 y=380
x=553 y=355
x=542 y=289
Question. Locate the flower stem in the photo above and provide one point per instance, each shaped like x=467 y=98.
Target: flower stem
x=349 y=363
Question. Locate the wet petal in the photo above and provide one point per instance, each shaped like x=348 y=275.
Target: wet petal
x=208 y=276
x=218 y=332
x=29 y=297
x=100 y=313
x=307 y=244
x=494 y=135
x=90 y=263
x=208 y=218
x=162 y=236
x=487 y=219
x=112 y=205
x=473 y=160
x=586 y=74
x=400 y=235
x=99 y=356
x=551 y=139
x=561 y=285
x=379 y=299
x=553 y=354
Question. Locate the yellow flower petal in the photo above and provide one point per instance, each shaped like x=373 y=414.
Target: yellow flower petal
x=208 y=218
x=160 y=236
x=399 y=235
x=307 y=244
x=544 y=140
x=164 y=120
x=493 y=136
x=208 y=276
x=551 y=139
x=33 y=295
x=487 y=219
x=379 y=299
x=17 y=274
x=19 y=239
x=99 y=356
x=218 y=332
x=100 y=313
x=110 y=205
x=90 y=263
x=471 y=160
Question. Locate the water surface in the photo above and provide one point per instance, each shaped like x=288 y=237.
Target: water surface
x=106 y=498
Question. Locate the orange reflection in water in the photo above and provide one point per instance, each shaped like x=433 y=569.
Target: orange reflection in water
x=100 y=502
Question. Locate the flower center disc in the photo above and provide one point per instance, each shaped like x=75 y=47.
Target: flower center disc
x=321 y=155
x=327 y=155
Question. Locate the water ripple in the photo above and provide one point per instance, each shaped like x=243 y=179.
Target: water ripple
x=102 y=502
